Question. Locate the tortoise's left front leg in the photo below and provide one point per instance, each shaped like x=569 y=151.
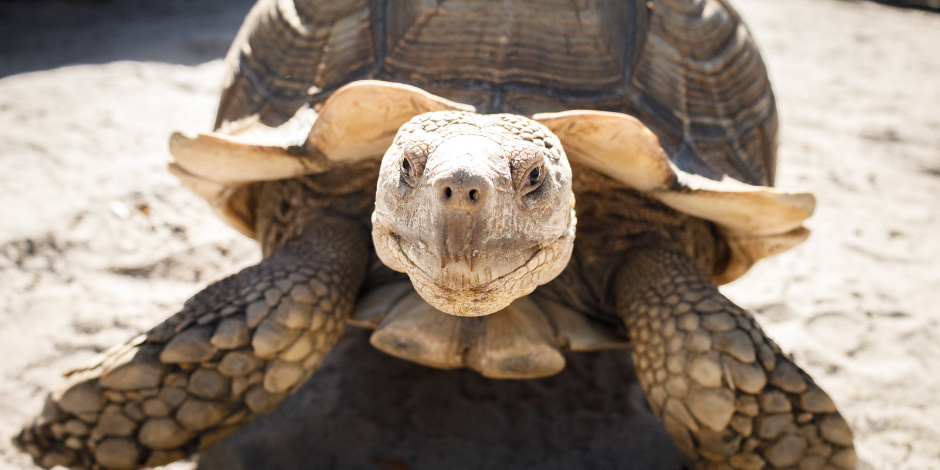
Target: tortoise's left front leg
x=235 y=351
x=725 y=392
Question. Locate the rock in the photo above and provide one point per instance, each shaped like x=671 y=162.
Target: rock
x=117 y=454
x=189 y=346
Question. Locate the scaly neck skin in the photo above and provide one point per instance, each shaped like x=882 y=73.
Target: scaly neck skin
x=284 y=207
x=724 y=390
x=612 y=221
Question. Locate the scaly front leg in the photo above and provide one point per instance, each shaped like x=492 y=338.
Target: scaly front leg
x=725 y=392
x=235 y=351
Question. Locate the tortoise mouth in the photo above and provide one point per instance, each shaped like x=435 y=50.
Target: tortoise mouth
x=541 y=266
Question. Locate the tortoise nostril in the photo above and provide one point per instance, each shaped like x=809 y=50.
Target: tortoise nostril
x=462 y=190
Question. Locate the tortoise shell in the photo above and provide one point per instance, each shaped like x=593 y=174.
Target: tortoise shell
x=667 y=98
x=688 y=70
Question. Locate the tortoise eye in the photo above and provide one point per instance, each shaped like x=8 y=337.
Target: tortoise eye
x=535 y=175
x=533 y=180
x=406 y=172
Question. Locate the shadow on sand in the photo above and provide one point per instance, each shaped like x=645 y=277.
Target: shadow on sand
x=46 y=34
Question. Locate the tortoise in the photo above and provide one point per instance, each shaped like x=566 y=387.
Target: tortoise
x=535 y=177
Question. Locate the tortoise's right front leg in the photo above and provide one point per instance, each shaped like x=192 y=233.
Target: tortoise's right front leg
x=725 y=392
x=235 y=351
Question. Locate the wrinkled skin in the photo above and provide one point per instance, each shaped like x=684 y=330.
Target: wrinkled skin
x=476 y=209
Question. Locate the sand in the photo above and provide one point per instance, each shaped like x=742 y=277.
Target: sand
x=98 y=242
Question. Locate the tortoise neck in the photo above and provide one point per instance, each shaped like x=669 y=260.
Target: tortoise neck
x=284 y=208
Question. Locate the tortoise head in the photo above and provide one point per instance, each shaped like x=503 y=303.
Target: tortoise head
x=476 y=209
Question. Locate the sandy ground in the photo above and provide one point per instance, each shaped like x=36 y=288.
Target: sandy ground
x=98 y=242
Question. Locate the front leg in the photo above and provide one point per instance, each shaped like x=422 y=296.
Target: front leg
x=235 y=351
x=724 y=390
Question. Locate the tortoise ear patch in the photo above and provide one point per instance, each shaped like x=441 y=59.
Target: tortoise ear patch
x=615 y=144
x=360 y=120
x=756 y=221
x=226 y=159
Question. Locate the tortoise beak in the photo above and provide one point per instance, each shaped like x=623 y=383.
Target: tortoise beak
x=460 y=196
x=455 y=240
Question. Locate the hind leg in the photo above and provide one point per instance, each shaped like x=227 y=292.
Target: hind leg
x=235 y=351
